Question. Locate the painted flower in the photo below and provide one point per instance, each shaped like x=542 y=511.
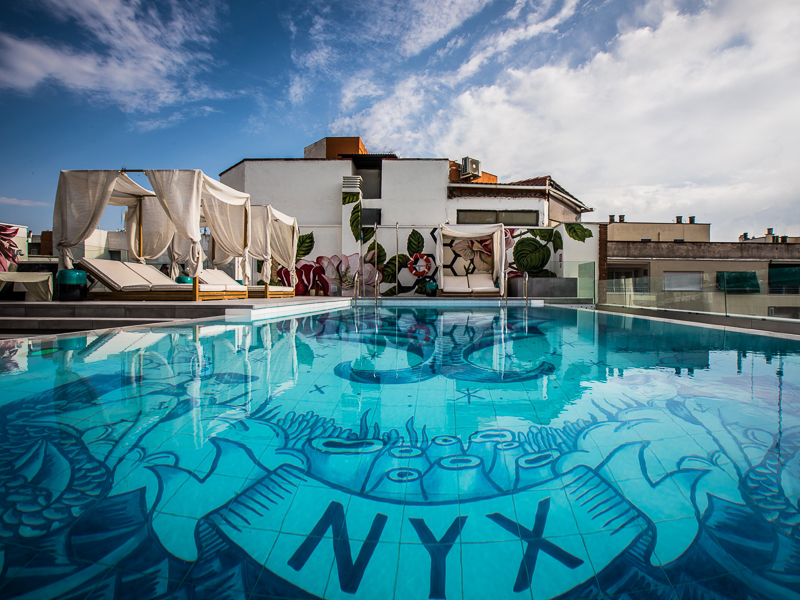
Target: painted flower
x=420 y=265
x=478 y=251
x=8 y=350
x=310 y=276
x=8 y=249
x=509 y=238
x=339 y=270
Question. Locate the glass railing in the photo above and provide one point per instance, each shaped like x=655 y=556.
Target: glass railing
x=757 y=293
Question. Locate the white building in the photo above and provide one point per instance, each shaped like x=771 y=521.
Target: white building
x=401 y=196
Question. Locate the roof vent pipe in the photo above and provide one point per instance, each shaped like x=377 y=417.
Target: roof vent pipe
x=769 y=231
x=611 y=218
x=691 y=219
x=622 y=218
x=679 y=219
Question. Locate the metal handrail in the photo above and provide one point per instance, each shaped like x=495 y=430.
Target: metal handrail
x=525 y=283
x=505 y=287
x=355 y=289
x=377 y=285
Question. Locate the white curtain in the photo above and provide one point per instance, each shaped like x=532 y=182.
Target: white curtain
x=475 y=232
x=157 y=229
x=259 y=245
x=227 y=213
x=179 y=250
x=81 y=198
x=283 y=235
x=179 y=192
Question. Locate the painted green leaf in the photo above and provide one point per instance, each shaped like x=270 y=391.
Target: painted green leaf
x=415 y=243
x=349 y=198
x=381 y=253
x=544 y=273
x=558 y=242
x=530 y=255
x=392 y=291
x=355 y=222
x=578 y=232
x=546 y=235
x=388 y=271
x=367 y=233
x=305 y=245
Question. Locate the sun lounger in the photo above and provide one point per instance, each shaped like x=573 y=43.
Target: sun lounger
x=253 y=291
x=477 y=284
x=233 y=289
x=457 y=286
x=482 y=284
x=134 y=281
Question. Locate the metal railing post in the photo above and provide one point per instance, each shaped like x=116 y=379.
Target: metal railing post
x=505 y=287
x=355 y=290
x=525 y=282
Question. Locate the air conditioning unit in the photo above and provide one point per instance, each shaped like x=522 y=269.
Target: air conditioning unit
x=470 y=168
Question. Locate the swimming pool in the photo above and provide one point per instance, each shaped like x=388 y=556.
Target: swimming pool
x=534 y=453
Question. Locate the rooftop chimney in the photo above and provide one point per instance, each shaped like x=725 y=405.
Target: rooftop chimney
x=784 y=239
x=622 y=218
x=769 y=230
x=746 y=235
x=611 y=218
x=679 y=219
x=691 y=219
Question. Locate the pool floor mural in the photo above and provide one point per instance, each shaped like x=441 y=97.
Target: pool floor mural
x=538 y=453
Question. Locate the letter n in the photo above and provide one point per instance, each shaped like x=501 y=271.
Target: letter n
x=350 y=573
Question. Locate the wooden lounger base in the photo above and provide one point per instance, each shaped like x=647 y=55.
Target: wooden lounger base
x=180 y=296
x=262 y=293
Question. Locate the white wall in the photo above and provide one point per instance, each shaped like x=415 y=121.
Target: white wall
x=310 y=190
x=413 y=192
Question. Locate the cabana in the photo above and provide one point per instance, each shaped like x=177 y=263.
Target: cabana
x=475 y=284
x=275 y=237
x=166 y=218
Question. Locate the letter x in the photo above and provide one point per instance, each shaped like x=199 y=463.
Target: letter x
x=534 y=542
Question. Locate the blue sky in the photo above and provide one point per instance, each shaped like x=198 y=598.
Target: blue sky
x=649 y=108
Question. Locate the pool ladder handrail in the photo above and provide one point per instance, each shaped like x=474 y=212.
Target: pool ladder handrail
x=355 y=289
x=525 y=283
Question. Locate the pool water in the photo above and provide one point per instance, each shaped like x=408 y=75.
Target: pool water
x=540 y=453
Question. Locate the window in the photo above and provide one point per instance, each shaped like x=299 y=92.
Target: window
x=738 y=282
x=370 y=217
x=683 y=281
x=510 y=218
x=647 y=239
x=115 y=255
x=678 y=240
x=784 y=279
x=628 y=279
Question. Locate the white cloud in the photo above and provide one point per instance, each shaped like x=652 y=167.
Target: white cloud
x=358 y=88
x=299 y=86
x=423 y=23
x=18 y=202
x=138 y=59
x=694 y=115
x=175 y=118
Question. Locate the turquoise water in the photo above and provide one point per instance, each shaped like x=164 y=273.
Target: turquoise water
x=402 y=454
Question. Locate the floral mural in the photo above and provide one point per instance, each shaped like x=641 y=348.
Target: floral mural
x=8 y=249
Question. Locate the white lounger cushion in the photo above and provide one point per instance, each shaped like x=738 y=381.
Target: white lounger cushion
x=115 y=274
x=482 y=282
x=161 y=283
x=158 y=281
x=217 y=277
x=281 y=288
x=451 y=283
